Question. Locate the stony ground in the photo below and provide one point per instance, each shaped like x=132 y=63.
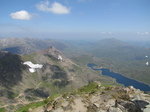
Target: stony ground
x=100 y=99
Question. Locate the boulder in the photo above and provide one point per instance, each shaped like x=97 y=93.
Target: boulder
x=113 y=109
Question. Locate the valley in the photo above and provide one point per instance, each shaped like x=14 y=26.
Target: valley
x=118 y=56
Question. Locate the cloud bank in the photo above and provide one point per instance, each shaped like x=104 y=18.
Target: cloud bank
x=55 y=7
x=22 y=15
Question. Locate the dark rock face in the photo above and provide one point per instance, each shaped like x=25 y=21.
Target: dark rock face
x=55 y=68
x=130 y=106
x=30 y=93
x=61 y=83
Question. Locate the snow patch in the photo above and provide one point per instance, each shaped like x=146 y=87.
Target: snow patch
x=59 y=58
x=32 y=70
x=146 y=56
x=32 y=66
x=147 y=63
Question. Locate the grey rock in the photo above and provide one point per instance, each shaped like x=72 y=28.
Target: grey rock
x=113 y=109
x=96 y=105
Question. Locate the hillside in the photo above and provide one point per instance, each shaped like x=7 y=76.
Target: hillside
x=23 y=81
x=10 y=69
x=121 y=57
x=95 y=97
x=28 y=45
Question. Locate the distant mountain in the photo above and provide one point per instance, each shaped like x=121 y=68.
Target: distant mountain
x=145 y=44
x=22 y=82
x=28 y=45
x=116 y=49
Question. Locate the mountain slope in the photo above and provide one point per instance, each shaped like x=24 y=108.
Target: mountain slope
x=12 y=63
x=28 y=45
x=55 y=76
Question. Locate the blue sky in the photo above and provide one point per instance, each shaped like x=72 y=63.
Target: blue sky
x=75 y=19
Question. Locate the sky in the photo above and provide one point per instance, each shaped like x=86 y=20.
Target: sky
x=75 y=19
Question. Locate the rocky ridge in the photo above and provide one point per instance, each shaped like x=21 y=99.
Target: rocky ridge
x=97 y=97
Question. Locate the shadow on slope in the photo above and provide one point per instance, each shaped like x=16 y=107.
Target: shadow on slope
x=14 y=50
x=32 y=93
x=10 y=70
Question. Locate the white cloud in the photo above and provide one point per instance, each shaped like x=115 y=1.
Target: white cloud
x=106 y=33
x=143 y=33
x=55 y=7
x=43 y=6
x=102 y=32
x=109 y=32
x=22 y=15
x=146 y=33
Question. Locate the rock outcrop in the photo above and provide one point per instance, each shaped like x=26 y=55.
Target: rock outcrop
x=102 y=99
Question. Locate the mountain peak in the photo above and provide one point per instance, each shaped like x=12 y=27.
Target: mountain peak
x=112 y=41
x=56 y=54
x=52 y=51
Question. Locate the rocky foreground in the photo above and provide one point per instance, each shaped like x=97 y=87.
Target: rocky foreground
x=97 y=97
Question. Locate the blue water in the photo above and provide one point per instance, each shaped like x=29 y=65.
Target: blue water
x=121 y=79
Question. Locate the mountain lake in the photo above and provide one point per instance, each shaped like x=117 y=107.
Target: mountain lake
x=122 y=79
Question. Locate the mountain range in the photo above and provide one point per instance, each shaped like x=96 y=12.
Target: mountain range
x=129 y=60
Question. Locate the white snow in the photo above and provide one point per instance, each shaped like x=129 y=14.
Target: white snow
x=146 y=56
x=147 y=63
x=32 y=70
x=59 y=58
x=32 y=66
